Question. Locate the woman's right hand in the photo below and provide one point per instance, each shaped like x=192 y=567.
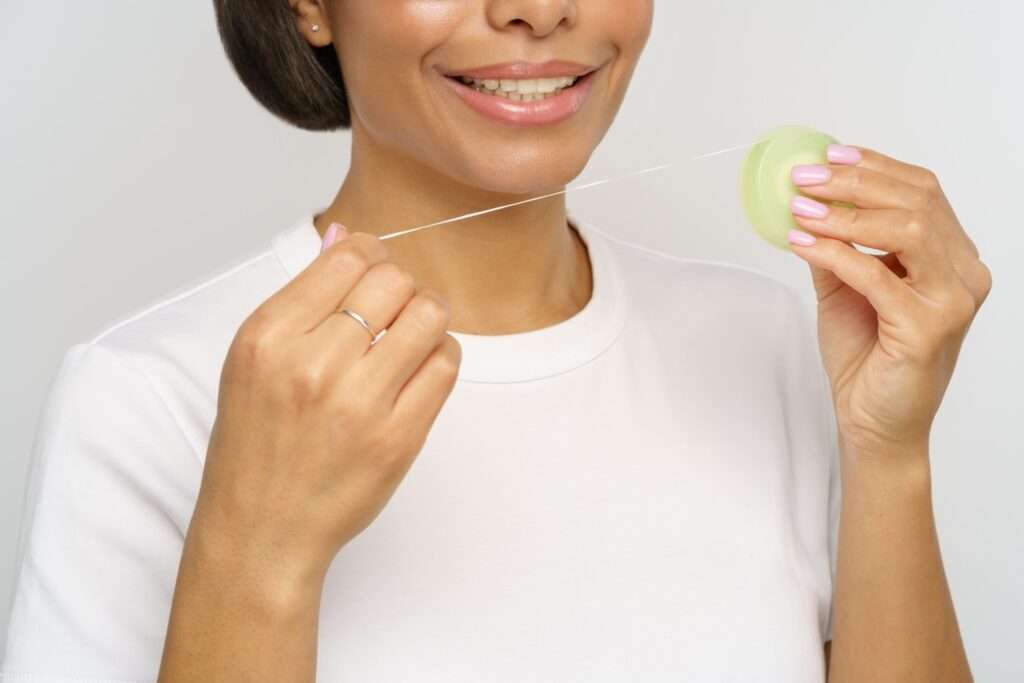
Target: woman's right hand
x=315 y=427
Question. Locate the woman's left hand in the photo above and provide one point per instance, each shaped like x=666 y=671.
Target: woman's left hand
x=890 y=326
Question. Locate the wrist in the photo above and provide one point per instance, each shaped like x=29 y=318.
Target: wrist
x=252 y=575
x=904 y=467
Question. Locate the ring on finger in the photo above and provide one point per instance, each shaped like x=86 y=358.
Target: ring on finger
x=374 y=336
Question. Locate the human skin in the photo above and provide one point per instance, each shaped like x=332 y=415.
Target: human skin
x=420 y=155
x=894 y=617
x=890 y=329
x=314 y=430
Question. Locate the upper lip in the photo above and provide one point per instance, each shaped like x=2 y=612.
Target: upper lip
x=520 y=69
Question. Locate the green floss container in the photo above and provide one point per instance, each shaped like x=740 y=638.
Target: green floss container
x=766 y=186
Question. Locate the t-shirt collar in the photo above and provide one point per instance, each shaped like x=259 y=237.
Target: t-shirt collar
x=522 y=356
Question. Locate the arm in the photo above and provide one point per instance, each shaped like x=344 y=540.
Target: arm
x=890 y=330
x=894 y=616
x=313 y=435
x=232 y=619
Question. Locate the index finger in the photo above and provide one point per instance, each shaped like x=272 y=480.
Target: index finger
x=901 y=170
x=318 y=289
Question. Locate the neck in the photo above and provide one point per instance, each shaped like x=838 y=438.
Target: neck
x=510 y=271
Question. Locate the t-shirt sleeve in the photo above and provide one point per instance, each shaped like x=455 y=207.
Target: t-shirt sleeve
x=834 y=501
x=826 y=441
x=830 y=446
x=110 y=492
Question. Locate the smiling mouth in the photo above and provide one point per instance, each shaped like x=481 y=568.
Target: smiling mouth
x=519 y=90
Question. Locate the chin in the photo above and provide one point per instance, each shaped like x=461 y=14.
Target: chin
x=527 y=174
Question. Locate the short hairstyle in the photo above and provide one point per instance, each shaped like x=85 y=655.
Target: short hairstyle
x=294 y=80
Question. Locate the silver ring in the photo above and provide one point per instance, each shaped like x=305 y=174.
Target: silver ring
x=362 y=321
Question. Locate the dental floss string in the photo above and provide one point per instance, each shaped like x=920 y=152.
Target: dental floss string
x=566 y=190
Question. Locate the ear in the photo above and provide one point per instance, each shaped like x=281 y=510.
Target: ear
x=310 y=13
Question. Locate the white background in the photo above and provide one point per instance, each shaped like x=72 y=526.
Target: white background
x=133 y=163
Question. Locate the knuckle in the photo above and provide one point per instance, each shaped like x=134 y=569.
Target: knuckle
x=855 y=181
x=930 y=180
x=431 y=308
x=851 y=224
x=306 y=383
x=452 y=347
x=252 y=346
x=395 y=277
x=255 y=327
x=985 y=277
x=348 y=258
x=915 y=228
x=449 y=357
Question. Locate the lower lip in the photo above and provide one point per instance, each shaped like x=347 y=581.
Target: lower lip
x=535 y=113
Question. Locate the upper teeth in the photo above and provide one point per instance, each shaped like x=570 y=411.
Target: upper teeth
x=528 y=86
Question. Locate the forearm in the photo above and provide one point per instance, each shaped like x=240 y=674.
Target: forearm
x=238 y=619
x=894 y=618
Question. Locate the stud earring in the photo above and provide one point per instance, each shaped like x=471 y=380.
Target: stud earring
x=315 y=27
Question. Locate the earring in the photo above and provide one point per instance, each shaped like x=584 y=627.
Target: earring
x=315 y=27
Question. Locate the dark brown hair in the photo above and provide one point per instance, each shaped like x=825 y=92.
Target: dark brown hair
x=295 y=81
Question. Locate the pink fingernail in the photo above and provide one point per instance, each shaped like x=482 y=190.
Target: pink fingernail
x=801 y=238
x=843 y=154
x=813 y=174
x=807 y=207
x=329 y=234
x=334 y=232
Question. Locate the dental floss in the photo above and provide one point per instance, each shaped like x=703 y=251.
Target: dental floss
x=568 y=189
x=765 y=185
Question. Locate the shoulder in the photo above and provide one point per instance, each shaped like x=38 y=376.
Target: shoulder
x=208 y=305
x=155 y=371
x=102 y=409
x=177 y=342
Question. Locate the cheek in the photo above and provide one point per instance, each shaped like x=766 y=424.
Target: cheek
x=382 y=46
x=627 y=23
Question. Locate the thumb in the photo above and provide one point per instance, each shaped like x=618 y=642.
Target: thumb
x=826 y=282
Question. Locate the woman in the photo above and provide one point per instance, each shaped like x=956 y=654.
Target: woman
x=627 y=464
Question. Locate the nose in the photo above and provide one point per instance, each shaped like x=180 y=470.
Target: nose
x=540 y=17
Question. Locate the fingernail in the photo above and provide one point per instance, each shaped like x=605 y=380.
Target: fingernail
x=329 y=234
x=333 y=233
x=801 y=238
x=842 y=154
x=811 y=175
x=807 y=207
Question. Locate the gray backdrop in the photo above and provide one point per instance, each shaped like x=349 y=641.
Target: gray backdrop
x=133 y=163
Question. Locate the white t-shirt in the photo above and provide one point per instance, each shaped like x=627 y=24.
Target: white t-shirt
x=646 y=491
